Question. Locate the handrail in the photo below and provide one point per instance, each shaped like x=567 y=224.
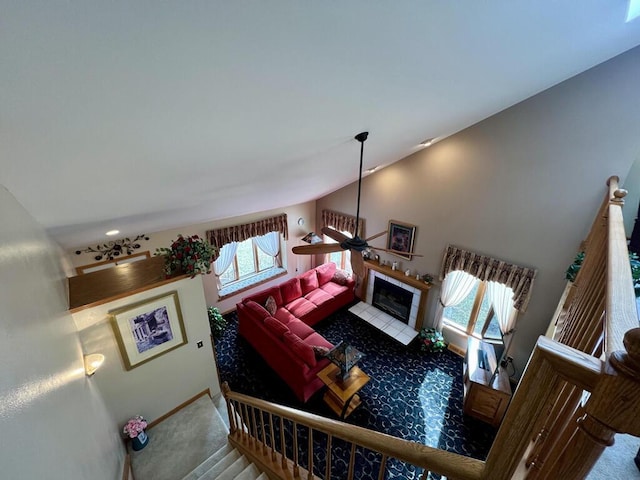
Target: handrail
x=621 y=313
x=433 y=459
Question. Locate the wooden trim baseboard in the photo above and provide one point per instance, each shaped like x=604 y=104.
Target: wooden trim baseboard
x=126 y=469
x=179 y=407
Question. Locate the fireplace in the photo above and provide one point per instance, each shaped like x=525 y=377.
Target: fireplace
x=392 y=299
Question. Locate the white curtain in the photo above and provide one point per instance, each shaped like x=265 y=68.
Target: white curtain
x=227 y=252
x=501 y=298
x=455 y=288
x=269 y=243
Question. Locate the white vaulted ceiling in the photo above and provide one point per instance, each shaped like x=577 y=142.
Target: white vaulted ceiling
x=150 y=115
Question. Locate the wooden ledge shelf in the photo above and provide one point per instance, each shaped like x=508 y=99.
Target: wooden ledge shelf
x=96 y=288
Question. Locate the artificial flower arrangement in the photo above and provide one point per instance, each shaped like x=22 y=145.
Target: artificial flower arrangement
x=135 y=426
x=431 y=340
x=189 y=255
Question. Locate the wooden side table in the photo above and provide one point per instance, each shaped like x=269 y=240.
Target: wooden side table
x=342 y=396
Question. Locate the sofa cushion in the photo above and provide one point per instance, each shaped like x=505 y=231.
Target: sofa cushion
x=315 y=339
x=290 y=290
x=270 y=305
x=297 y=345
x=285 y=316
x=276 y=326
x=299 y=328
x=333 y=289
x=257 y=309
x=300 y=307
x=309 y=281
x=325 y=272
x=340 y=277
x=319 y=297
x=261 y=297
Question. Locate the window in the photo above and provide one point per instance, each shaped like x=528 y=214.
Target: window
x=246 y=263
x=474 y=314
x=341 y=259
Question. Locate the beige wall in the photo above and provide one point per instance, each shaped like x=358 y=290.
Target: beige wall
x=53 y=420
x=522 y=185
x=156 y=387
x=293 y=263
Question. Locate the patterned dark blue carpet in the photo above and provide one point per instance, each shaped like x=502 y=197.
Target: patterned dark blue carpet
x=412 y=395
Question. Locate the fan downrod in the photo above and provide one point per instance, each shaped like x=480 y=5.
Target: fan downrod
x=361 y=137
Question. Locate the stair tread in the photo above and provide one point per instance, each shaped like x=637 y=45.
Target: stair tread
x=222 y=465
x=251 y=472
x=262 y=476
x=209 y=462
x=234 y=469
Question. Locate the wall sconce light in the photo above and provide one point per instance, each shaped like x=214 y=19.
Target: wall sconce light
x=92 y=363
x=311 y=238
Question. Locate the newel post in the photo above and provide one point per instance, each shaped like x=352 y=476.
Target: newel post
x=612 y=408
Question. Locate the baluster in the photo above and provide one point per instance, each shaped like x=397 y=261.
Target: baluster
x=245 y=421
x=383 y=467
x=352 y=461
x=296 y=467
x=254 y=427
x=230 y=414
x=327 y=468
x=273 y=438
x=264 y=435
x=310 y=453
x=282 y=444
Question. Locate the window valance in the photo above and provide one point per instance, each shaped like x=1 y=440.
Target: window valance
x=239 y=233
x=342 y=222
x=519 y=279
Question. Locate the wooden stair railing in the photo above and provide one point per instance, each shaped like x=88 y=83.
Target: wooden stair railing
x=578 y=390
x=254 y=424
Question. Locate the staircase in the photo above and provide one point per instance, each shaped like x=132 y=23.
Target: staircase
x=226 y=464
x=193 y=439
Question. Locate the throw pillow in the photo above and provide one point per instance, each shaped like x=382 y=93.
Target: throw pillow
x=297 y=345
x=340 y=277
x=308 y=281
x=320 y=351
x=276 y=326
x=271 y=306
x=325 y=272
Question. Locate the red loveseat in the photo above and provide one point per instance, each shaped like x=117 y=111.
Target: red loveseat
x=284 y=337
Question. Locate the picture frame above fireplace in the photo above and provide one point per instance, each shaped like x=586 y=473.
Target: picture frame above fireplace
x=400 y=238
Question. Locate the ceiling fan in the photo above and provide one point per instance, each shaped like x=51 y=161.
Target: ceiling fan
x=356 y=244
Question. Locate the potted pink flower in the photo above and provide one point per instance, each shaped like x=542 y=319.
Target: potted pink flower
x=135 y=430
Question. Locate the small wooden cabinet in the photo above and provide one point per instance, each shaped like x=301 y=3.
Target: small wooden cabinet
x=484 y=399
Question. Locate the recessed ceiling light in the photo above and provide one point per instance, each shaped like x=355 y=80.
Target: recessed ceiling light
x=372 y=169
x=427 y=143
x=113 y=232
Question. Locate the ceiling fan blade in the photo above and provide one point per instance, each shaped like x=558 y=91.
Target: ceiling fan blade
x=334 y=234
x=397 y=252
x=357 y=263
x=375 y=236
x=317 y=248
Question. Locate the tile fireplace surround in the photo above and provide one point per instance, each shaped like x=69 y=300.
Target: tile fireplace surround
x=403 y=333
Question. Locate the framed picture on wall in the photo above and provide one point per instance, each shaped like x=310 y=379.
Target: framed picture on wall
x=147 y=329
x=400 y=238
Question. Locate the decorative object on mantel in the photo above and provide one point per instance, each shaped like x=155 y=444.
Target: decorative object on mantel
x=345 y=357
x=135 y=430
x=115 y=248
x=426 y=278
x=431 y=340
x=189 y=255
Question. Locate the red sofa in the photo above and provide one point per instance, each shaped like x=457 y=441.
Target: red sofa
x=284 y=338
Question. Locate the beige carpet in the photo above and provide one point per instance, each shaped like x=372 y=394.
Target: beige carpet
x=181 y=442
x=616 y=462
